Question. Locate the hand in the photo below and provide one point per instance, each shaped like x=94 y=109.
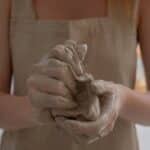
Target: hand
x=51 y=81
x=111 y=96
x=88 y=103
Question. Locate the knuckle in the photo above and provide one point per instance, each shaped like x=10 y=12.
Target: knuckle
x=55 y=63
x=36 y=98
x=73 y=42
x=59 y=46
x=60 y=86
x=57 y=50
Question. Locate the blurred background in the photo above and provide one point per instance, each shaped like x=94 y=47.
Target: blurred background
x=143 y=132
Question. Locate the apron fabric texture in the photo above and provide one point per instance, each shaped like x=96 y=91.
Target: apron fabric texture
x=111 y=56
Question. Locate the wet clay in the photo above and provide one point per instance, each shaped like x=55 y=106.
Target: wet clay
x=88 y=102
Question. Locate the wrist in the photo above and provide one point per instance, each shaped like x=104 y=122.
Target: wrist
x=23 y=116
x=126 y=95
x=28 y=118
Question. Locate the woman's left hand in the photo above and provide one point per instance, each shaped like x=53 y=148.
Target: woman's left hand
x=112 y=98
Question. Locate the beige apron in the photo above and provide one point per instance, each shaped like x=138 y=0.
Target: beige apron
x=111 y=56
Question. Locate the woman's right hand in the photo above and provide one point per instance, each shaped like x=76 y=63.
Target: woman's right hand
x=51 y=84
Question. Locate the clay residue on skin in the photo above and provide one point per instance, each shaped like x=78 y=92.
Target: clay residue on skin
x=88 y=102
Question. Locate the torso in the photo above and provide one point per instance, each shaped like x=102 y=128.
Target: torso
x=111 y=56
x=70 y=9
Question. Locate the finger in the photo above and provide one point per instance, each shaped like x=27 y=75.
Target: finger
x=48 y=63
x=67 y=131
x=82 y=139
x=92 y=140
x=72 y=43
x=72 y=46
x=91 y=108
x=89 y=111
x=79 y=138
x=42 y=117
x=74 y=113
x=59 y=52
x=58 y=70
x=82 y=51
x=108 y=124
x=49 y=85
x=89 y=128
x=64 y=54
x=77 y=55
x=109 y=115
x=42 y=100
x=78 y=50
x=101 y=86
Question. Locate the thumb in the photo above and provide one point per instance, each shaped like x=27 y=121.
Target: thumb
x=101 y=86
x=82 y=51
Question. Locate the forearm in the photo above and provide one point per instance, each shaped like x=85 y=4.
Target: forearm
x=15 y=112
x=136 y=107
